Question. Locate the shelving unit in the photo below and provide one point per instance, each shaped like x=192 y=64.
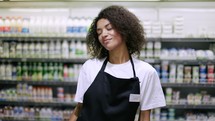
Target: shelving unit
x=154 y=11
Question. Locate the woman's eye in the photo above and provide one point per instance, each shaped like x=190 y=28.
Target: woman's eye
x=109 y=28
x=99 y=32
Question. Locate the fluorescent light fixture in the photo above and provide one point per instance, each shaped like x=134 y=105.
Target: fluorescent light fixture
x=85 y=0
x=38 y=10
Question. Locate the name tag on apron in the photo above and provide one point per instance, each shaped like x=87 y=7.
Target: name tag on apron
x=134 y=98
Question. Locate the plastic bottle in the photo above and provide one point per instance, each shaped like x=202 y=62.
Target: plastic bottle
x=51 y=71
x=13 y=28
x=82 y=27
x=1 y=49
x=56 y=72
x=71 y=73
x=37 y=26
x=24 y=71
x=45 y=71
x=8 y=71
x=12 y=50
x=65 y=49
x=50 y=26
x=39 y=72
x=19 y=50
x=32 y=26
x=31 y=50
x=38 y=50
x=14 y=73
x=6 y=49
x=19 y=71
x=69 y=27
x=34 y=75
x=30 y=71
x=44 y=26
x=25 y=50
x=76 y=27
x=25 y=27
x=1 y=26
x=65 y=73
x=78 y=51
x=58 y=49
x=60 y=71
x=51 y=49
x=44 y=50
x=72 y=49
x=19 y=23
x=7 y=25
x=2 y=71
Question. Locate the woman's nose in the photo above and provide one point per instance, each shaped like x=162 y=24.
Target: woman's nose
x=104 y=33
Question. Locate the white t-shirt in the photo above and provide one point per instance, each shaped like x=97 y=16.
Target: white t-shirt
x=151 y=93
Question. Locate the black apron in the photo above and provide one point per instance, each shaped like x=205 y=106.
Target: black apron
x=107 y=98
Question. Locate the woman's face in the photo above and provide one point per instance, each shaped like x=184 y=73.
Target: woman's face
x=107 y=35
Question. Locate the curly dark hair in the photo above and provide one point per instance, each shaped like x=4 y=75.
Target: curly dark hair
x=125 y=22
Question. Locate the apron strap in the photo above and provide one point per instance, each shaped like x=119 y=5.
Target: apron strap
x=132 y=63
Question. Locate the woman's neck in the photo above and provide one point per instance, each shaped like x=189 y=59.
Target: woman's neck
x=119 y=57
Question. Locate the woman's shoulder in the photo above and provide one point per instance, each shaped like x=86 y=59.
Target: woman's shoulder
x=93 y=62
x=143 y=66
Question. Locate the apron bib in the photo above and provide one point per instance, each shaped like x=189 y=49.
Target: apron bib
x=110 y=98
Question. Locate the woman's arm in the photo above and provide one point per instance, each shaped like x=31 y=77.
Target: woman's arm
x=76 y=112
x=144 y=115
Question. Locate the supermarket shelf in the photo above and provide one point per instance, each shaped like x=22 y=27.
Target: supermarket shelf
x=75 y=60
x=184 y=106
x=179 y=61
x=31 y=103
x=182 y=85
x=40 y=38
x=175 y=39
x=42 y=82
x=188 y=39
x=82 y=60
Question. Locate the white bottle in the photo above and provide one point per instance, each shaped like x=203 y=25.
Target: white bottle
x=51 y=48
x=1 y=26
x=2 y=71
x=8 y=71
x=32 y=26
x=38 y=50
x=63 y=25
x=12 y=50
x=78 y=51
x=44 y=50
x=72 y=49
x=50 y=26
x=13 y=27
x=58 y=49
x=25 y=50
x=76 y=27
x=65 y=49
x=69 y=27
x=66 y=73
x=6 y=49
x=83 y=27
x=1 y=49
x=84 y=49
x=57 y=26
x=19 y=50
x=7 y=25
x=44 y=26
x=19 y=24
x=38 y=26
x=25 y=27
x=31 y=50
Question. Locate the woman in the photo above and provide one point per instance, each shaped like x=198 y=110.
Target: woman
x=114 y=83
